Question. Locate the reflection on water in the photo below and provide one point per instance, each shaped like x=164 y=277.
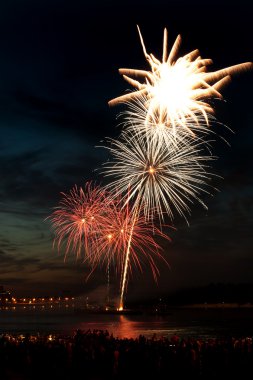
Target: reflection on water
x=121 y=326
x=157 y=326
x=204 y=323
x=125 y=327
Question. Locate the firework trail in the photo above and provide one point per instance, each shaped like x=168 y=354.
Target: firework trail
x=176 y=92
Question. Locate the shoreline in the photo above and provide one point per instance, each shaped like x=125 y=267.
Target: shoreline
x=132 y=311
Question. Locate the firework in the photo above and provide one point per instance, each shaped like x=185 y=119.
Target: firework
x=91 y=222
x=79 y=219
x=111 y=244
x=159 y=178
x=158 y=168
x=176 y=92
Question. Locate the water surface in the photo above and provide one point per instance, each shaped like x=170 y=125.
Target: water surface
x=196 y=323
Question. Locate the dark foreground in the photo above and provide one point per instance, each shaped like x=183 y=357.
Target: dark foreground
x=98 y=355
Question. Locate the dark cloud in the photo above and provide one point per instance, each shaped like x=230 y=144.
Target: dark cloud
x=6 y=245
x=14 y=282
x=15 y=263
x=83 y=119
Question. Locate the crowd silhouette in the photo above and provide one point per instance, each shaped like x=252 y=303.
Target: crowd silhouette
x=98 y=355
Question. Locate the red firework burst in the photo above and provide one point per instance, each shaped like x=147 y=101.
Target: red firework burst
x=79 y=219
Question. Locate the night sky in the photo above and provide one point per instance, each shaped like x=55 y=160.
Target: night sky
x=58 y=69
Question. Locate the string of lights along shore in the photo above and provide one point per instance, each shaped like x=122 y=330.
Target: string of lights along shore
x=159 y=165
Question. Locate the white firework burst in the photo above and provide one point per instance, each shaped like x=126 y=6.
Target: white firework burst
x=160 y=178
x=176 y=92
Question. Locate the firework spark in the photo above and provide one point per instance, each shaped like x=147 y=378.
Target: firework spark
x=175 y=93
x=79 y=218
x=134 y=121
x=161 y=178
